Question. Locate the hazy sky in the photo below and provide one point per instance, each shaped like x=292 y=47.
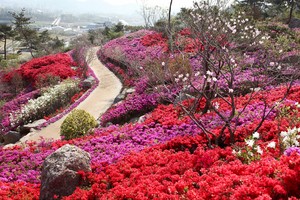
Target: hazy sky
x=122 y=7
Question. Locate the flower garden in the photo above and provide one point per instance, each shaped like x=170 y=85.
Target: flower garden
x=43 y=81
x=166 y=154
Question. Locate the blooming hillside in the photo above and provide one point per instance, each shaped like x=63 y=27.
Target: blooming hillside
x=41 y=83
x=238 y=139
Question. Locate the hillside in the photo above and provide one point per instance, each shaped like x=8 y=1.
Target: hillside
x=216 y=117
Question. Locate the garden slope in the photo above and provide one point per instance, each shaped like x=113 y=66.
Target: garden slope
x=96 y=104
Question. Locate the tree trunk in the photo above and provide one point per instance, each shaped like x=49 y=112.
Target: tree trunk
x=291 y=11
x=5 y=47
x=170 y=28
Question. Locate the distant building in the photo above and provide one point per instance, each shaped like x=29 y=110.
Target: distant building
x=99 y=25
x=56 y=22
x=123 y=22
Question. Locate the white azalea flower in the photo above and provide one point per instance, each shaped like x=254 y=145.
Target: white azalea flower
x=216 y=105
x=250 y=143
x=272 y=145
x=259 y=150
x=209 y=73
x=256 y=135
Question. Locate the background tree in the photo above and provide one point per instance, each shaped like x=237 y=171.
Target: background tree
x=24 y=33
x=152 y=14
x=253 y=7
x=282 y=6
x=6 y=32
x=41 y=42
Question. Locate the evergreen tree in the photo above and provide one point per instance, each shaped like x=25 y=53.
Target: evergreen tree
x=24 y=33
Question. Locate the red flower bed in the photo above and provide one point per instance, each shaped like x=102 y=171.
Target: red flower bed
x=154 y=39
x=55 y=65
x=19 y=190
x=183 y=169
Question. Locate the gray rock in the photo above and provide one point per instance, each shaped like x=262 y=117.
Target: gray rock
x=119 y=98
x=130 y=90
x=35 y=124
x=88 y=82
x=141 y=119
x=27 y=128
x=182 y=97
x=134 y=120
x=294 y=23
x=11 y=137
x=59 y=172
x=293 y=59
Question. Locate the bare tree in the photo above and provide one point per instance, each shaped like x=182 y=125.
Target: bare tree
x=170 y=27
x=219 y=41
x=151 y=14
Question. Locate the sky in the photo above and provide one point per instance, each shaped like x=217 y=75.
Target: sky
x=122 y=7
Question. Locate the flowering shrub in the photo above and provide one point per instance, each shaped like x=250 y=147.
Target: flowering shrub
x=167 y=172
x=49 y=101
x=252 y=151
x=134 y=104
x=154 y=39
x=40 y=68
x=14 y=106
x=290 y=138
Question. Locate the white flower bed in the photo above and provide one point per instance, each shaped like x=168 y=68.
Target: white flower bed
x=52 y=99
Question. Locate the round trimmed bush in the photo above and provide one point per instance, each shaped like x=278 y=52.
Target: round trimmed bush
x=77 y=124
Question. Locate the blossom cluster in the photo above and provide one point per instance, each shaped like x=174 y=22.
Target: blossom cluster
x=134 y=104
x=50 y=100
x=13 y=106
x=54 y=65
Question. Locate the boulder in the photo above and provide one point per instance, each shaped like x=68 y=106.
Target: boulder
x=11 y=137
x=294 y=23
x=88 y=82
x=59 y=172
x=35 y=123
x=24 y=130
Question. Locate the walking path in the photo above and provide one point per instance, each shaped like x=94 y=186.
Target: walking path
x=95 y=104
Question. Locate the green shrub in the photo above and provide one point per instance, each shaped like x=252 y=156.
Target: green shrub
x=77 y=124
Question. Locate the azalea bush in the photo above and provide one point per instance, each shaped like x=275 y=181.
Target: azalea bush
x=192 y=172
x=50 y=100
x=40 y=68
x=14 y=106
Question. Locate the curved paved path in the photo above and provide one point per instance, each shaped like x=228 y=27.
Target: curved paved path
x=96 y=103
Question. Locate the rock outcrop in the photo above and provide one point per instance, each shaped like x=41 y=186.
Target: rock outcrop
x=59 y=173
